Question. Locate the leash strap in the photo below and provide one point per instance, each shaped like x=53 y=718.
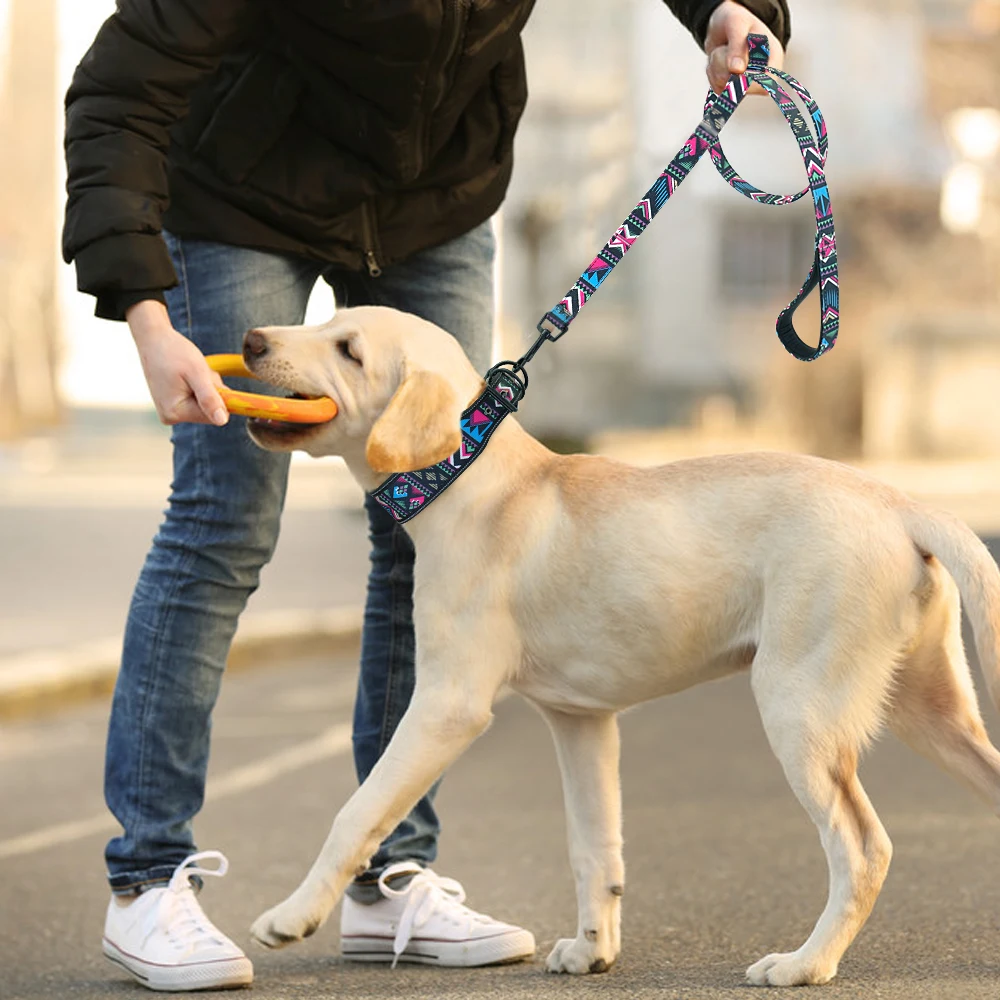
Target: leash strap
x=405 y=494
x=718 y=110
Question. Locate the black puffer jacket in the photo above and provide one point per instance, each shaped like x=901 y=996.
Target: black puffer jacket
x=351 y=131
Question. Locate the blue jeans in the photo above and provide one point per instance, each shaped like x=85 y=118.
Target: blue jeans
x=221 y=527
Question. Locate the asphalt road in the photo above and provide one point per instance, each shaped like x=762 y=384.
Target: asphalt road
x=723 y=865
x=67 y=571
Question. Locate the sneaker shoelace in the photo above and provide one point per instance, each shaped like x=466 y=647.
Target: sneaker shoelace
x=178 y=914
x=428 y=894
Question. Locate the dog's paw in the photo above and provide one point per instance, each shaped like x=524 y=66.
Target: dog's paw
x=284 y=924
x=790 y=969
x=577 y=958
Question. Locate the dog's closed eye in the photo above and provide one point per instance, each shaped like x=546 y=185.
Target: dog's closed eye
x=346 y=350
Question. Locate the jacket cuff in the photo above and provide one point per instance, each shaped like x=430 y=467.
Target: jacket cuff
x=114 y=305
x=774 y=13
x=131 y=264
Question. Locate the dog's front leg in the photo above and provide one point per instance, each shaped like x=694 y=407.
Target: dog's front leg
x=588 y=751
x=441 y=721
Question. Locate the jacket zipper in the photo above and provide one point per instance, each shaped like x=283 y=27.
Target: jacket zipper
x=370 y=249
x=451 y=29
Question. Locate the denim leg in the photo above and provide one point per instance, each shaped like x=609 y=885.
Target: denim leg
x=220 y=528
x=452 y=286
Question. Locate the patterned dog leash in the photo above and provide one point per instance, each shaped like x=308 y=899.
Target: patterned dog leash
x=405 y=494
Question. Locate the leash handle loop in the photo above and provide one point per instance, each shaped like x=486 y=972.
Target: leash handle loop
x=813 y=144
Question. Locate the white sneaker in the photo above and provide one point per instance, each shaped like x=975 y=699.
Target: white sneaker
x=165 y=940
x=426 y=922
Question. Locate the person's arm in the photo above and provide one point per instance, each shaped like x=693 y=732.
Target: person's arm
x=721 y=27
x=130 y=88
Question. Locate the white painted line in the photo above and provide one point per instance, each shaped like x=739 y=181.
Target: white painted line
x=53 y=836
x=334 y=741
x=330 y=743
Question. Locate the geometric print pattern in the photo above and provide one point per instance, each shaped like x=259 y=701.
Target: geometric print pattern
x=813 y=144
x=405 y=494
x=718 y=110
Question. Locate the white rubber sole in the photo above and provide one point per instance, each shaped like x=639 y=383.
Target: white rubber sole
x=497 y=950
x=227 y=973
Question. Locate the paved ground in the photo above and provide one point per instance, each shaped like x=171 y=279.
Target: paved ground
x=722 y=864
x=69 y=572
x=74 y=533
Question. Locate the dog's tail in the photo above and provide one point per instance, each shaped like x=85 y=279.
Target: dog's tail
x=975 y=572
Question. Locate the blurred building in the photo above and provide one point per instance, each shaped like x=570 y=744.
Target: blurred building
x=683 y=332
x=934 y=367
x=686 y=324
x=28 y=315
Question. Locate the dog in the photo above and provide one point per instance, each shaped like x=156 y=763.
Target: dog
x=588 y=586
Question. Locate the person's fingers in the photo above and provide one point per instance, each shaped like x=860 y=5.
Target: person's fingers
x=202 y=398
x=727 y=47
x=717 y=70
x=722 y=64
x=737 y=52
x=207 y=395
x=184 y=410
x=176 y=402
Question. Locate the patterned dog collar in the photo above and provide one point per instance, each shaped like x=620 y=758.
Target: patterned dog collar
x=405 y=494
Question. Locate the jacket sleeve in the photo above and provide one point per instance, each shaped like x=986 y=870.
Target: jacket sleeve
x=694 y=15
x=132 y=85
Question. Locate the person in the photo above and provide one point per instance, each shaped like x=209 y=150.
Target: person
x=223 y=156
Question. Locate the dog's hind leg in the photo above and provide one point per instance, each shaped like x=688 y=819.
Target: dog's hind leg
x=588 y=751
x=935 y=710
x=816 y=715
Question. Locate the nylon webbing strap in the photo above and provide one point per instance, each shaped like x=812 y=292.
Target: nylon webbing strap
x=719 y=109
x=405 y=494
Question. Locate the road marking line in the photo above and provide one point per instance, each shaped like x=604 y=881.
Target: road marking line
x=53 y=836
x=335 y=740
x=330 y=743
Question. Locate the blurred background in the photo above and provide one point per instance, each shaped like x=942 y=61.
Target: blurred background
x=682 y=337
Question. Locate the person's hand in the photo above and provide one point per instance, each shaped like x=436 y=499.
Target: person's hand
x=726 y=44
x=183 y=387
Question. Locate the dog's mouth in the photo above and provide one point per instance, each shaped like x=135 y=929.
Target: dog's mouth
x=275 y=429
x=282 y=426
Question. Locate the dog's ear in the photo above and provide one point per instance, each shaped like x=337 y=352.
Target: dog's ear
x=419 y=426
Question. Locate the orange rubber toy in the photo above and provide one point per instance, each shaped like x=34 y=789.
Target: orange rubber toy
x=253 y=404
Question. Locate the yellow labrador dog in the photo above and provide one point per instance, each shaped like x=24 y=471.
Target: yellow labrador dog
x=588 y=586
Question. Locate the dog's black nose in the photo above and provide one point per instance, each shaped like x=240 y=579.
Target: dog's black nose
x=254 y=345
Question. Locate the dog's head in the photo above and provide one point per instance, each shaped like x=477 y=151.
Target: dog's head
x=400 y=385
